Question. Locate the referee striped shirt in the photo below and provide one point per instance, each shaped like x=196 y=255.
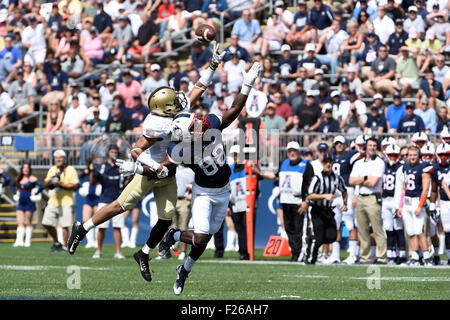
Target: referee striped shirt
x=323 y=184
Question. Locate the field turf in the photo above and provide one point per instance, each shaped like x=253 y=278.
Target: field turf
x=35 y=273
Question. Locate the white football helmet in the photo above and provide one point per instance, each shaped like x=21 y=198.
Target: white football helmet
x=187 y=126
x=419 y=139
x=443 y=153
x=428 y=152
x=445 y=135
x=392 y=154
x=360 y=142
x=386 y=142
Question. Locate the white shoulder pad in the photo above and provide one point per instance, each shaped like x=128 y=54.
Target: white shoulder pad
x=156 y=127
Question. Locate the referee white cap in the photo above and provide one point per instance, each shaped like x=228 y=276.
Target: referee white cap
x=59 y=153
x=340 y=139
x=293 y=145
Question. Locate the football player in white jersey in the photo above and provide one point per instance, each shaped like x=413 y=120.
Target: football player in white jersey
x=151 y=149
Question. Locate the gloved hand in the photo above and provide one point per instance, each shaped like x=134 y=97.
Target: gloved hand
x=163 y=173
x=435 y=215
x=250 y=78
x=217 y=57
x=129 y=167
x=35 y=196
x=16 y=196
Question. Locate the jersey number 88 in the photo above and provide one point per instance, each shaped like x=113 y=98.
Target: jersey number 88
x=210 y=164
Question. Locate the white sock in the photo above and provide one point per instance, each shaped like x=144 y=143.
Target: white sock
x=389 y=254
x=19 y=235
x=28 y=235
x=133 y=236
x=231 y=236
x=402 y=254
x=352 y=246
x=59 y=232
x=336 y=250
x=442 y=243
x=189 y=263
x=88 y=225
x=356 y=249
x=125 y=233
x=177 y=235
x=146 y=249
x=414 y=255
x=426 y=254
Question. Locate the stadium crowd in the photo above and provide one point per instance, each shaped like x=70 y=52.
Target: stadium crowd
x=328 y=67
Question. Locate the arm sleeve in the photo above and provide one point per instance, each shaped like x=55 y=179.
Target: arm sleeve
x=40 y=186
x=307 y=177
x=313 y=187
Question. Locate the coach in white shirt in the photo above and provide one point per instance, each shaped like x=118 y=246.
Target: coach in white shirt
x=367 y=174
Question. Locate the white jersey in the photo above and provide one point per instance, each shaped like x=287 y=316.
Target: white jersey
x=157 y=127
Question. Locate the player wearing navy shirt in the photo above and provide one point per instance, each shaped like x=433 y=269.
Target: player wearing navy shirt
x=200 y=147
x=392 y=224
x=414 y=180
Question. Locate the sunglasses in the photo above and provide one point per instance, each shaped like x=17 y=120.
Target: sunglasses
x=404 y=155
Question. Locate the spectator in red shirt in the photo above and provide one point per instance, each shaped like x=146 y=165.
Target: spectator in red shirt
x=283 y=109
x=128 y=88
x=165 y=10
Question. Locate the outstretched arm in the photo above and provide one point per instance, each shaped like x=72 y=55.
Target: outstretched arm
x=241 y=98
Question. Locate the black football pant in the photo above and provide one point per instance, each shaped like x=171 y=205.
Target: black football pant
x=324 y=227
x=293 y=224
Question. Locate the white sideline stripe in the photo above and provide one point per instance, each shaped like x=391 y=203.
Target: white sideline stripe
x=408 y=279
x=38 y=268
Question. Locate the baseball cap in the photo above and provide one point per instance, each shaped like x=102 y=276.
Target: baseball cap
x=344 y=80
x=293 y=145
x=412 y=8
x=398 y=21
x=371 y=33
x=109 y=81
x=285 y=47
x=54 y=61
x=318 y=71
x=155 y=66
x=374 y=106
x=299 y=81
x=279 y=3
x=397 y=95
x=59 y=153
x=32 y=18
x=122 y=17
x=96 y=96
x=430 y=35
x=322 y=85
x=351 y=68
x=129 y=57
x=184 y=79
x=322 y=147
x=19 y=71
x=302 y=2
x=409 y=105
x=327 y=109
x=334 y=93
x=310 y=93
x=340 y=139
x=327 y=157
x=310 y=47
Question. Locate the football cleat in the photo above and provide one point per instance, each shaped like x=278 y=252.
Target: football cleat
x=350 y=260
x=427 y=263
x=167 y=255
x=167 y=242
x=56 y=247
x=77 y=235
x=413 y=263
x=142 y=260
x=332 y=260
x=401 y=261
x=391 y=261
x=182 y=275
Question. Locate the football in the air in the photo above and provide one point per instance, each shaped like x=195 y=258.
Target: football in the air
x=205 y=33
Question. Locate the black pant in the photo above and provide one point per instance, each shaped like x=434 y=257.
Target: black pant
x=219 y=241
x=293 y=223
x=324 y=227
x=240 y=223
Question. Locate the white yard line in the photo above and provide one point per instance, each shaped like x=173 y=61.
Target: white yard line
x=39 y=268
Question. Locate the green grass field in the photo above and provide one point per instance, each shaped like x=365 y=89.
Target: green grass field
x=34 y=272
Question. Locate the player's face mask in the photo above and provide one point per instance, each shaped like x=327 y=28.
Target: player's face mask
x=443 y=158
x=198 y=126
x=393 y=158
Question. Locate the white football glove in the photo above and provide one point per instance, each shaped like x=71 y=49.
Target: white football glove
x=164 y=173
x=98 y=190
x=250 y=78
x=128 y=168
x=16 y=196
x=84 y=190
x=217 y=57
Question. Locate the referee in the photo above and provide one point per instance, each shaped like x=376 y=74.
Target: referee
x=321 y=195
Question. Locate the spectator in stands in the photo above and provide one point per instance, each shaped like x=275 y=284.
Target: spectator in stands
x=421 y=10
x=379 y=102
x=309 y=113
x=369 y=54
x=284 y=16
x=335 y=101
x=411 y=123
x=138 y=113
x=120 y=39
x=310 y=62
x=354 y=82
x=444 y=120
x=273 y=121
x=108 y=92
x=413 y=42
x=328 y=123
x=64 y=44
x=208 y=97
x=96 y=103
x=33 y=40
x=102 y=21
x=298 y=33
x=267 y=76
x=74 y=89
x=415 y=21
x=176 y=23
x=395 y=112
x=6 y=71
x=174 y=76
x=248 y=30
x=234 y=69
x=431 y=47
x=95 y=125
x=272 y=37
x=128 y=88
x=440 y=26
x=297 y=98
x=365 y=24
x=393 y=11
x=323 y=96
x=73 y=7
x=62 y=180
x=55 y=117
x=352 y=114
x=381 y=74
x=6 y=104
x=11 y=53
x=165 y=10
x=344 y=88
x=397 y=39
x=234 y=47
x=153 y=80
x=201 y=55
x=74 y=65
x=129 y=66
x=351 y=44
x=55 y=83
x=212 y=10
x=333 y=39
x=29 y=75
x=118 y=122
x=406 y=72
x=440 y=69
x=364 y=7
x=427 y=114
x=72 y=123
x=237 y=7
x=383 y=25
x=431 y=89
x=375 y=123
x=23 y=94
x=283 y=109
x=18 y=20
x=320 y=17
x=93 y=47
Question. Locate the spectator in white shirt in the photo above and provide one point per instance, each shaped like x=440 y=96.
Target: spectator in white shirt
x=414 y=20
x=33 y=39
x=440 y=69
x=153 y=80
x=383 y=25
x=234 y=69
x=352 y=114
